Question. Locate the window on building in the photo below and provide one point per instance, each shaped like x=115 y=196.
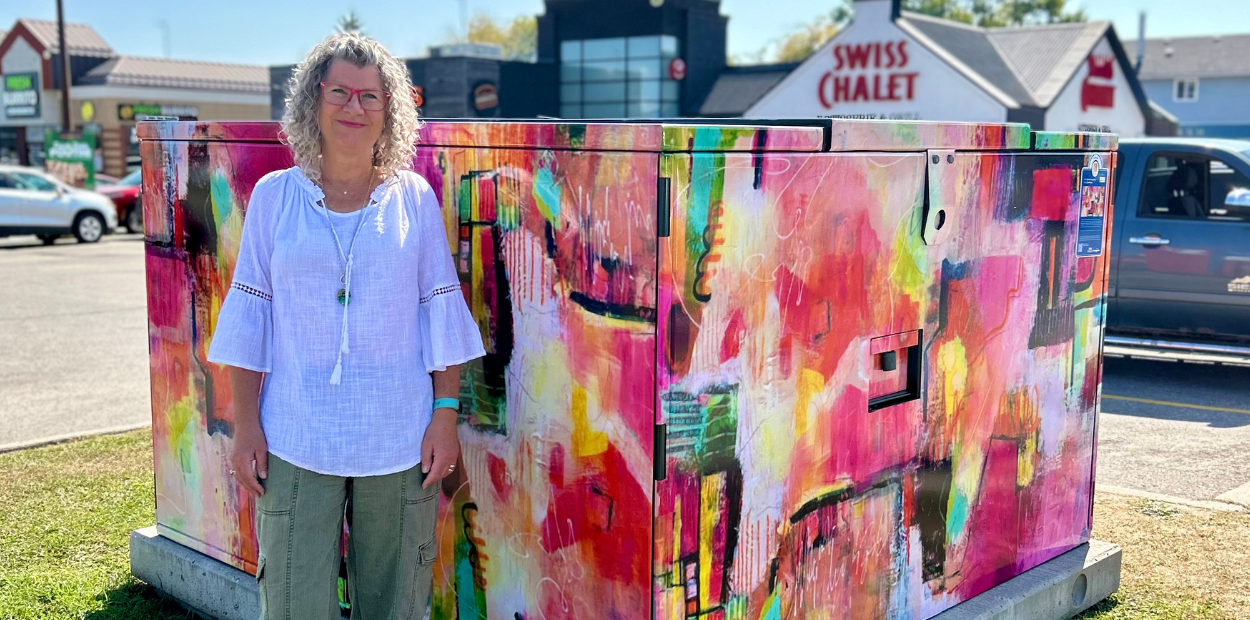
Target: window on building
x=623 y=77
x=1195 y=187
x=1185 y=89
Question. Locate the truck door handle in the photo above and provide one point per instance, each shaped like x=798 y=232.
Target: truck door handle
x=1150 y=240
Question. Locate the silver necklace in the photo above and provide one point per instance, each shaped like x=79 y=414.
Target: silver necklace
x=345 y=261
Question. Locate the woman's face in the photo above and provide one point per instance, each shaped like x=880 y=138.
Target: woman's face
x=350 y=127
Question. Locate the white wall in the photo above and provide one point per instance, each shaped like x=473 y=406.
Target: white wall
x=939 y=92
x=1123 y=117
x=22 y=58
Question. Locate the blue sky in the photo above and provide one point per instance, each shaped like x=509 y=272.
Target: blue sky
x=269 y=32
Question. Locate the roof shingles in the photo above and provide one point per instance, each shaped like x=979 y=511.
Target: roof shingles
x=82 y=39
x=139 y=71
x=1222 y=56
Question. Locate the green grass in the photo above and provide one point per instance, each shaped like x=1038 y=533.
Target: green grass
x=68 y=511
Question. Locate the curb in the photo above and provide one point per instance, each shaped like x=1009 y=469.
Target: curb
x=55 y=439
x=1219 y=506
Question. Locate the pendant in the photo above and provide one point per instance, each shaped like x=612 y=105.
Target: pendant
x=344 y=298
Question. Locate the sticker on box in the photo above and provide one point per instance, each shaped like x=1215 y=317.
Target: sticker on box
x=1089 y=232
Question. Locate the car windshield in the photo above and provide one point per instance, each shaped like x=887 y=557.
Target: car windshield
x=34 y=181
x=133 y=179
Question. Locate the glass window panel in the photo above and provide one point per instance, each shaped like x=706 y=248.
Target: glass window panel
x=571 y=111
x=668 y=46
x=571 y=52
x=669 y=110
x=644 y=109
x=648 y=90
x=640 y=47
x=671 y=91
x=644 y=69
x=604 y=71
x=603 y=49
x=604 y=110
x=603 y=91
x=570 y=73
x=570 y=93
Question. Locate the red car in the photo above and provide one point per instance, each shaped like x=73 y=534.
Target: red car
x=125 y=194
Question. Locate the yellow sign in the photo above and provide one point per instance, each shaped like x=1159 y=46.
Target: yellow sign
x=88 y=111
x=125 y=112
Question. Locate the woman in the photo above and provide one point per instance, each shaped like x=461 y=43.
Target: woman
x=346 y=303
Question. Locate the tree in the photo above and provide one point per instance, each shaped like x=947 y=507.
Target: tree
x=350 y=23
x=518 y=38
x=803 y=42
x=998 y=13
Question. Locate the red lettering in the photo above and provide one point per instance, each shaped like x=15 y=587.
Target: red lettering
x=876 y=54
x=889 y=55
x=842 y=88
x=911 y=85
x=861 y=89
x=892 y=90
x=876 y=88
x=902 y=54
x=837 y=54
x=857 y=55
x=820 y=90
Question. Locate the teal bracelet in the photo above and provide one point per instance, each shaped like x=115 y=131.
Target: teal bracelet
x=449 y=403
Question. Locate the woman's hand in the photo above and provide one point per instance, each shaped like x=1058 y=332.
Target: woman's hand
x=249 y=459
x=440 y=448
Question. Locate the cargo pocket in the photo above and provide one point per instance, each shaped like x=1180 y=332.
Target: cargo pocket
x=273 y=533
x=420 y=546
x=260 y=569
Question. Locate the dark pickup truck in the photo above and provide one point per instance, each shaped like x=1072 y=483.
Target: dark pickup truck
x=1180 y=275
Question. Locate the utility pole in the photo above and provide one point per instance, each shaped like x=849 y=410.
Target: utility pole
x=65 y=75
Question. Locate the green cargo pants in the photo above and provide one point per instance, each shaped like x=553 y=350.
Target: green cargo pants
x=390 y=558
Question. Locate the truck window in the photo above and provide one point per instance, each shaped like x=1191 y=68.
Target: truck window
x=1194 y=187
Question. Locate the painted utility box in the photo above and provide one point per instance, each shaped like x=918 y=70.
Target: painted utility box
x=833 y=369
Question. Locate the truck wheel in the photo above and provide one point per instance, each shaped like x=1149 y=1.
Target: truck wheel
x=48 y=239
x=88 y=227
x=134 y=219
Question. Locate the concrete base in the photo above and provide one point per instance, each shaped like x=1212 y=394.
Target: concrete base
x=1056 y=590
x=208 y=587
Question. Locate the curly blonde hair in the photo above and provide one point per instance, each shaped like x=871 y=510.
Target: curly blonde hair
x=302 y=131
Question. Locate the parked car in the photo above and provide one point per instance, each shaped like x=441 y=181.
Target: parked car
x=33 y=202
x=124 y=193
x=1180 y=252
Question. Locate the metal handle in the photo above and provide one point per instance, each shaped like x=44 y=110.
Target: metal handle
x=1149 y=240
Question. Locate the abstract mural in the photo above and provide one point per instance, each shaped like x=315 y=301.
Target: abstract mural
x=726 y=375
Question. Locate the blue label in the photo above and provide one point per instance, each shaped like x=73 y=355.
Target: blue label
x=1089 y=236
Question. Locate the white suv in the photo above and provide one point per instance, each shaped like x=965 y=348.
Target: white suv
x=32 y=202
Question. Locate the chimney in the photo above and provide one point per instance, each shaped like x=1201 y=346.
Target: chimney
x=896 y=6
x=1141 y=41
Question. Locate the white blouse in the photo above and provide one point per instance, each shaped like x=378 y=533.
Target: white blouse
x=347 y=389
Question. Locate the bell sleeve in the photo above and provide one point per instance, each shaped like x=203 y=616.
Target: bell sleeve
x=243 y=334
x=449 y=335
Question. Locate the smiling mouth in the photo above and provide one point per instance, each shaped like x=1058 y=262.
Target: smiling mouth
x=351 y=124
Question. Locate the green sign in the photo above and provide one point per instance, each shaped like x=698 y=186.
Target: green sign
x=21 y=95
x=71 y=158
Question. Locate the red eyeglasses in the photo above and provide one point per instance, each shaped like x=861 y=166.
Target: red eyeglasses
x=370 y=99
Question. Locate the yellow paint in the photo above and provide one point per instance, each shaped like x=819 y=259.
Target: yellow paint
x=1024 y=463
x=953 y=366
x=180 y=420
x=709 y=514
x=586 y=442
x=676 y=579
x=904 y=272
x=811 y=384
x=1168 y=403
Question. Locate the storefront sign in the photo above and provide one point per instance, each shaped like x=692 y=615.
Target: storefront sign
x=868 y=72
x=88 y=111
x=677 y=69
x=485 y=98
x=1098 y=89
x=141 y=111
x=21 y=95
x=71 y=158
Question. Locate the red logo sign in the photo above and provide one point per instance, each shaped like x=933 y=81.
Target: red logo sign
x=677 y=69
x=1098 y=89
x=868 y=72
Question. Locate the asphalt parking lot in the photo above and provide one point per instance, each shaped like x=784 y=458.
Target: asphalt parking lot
x=73 y=337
